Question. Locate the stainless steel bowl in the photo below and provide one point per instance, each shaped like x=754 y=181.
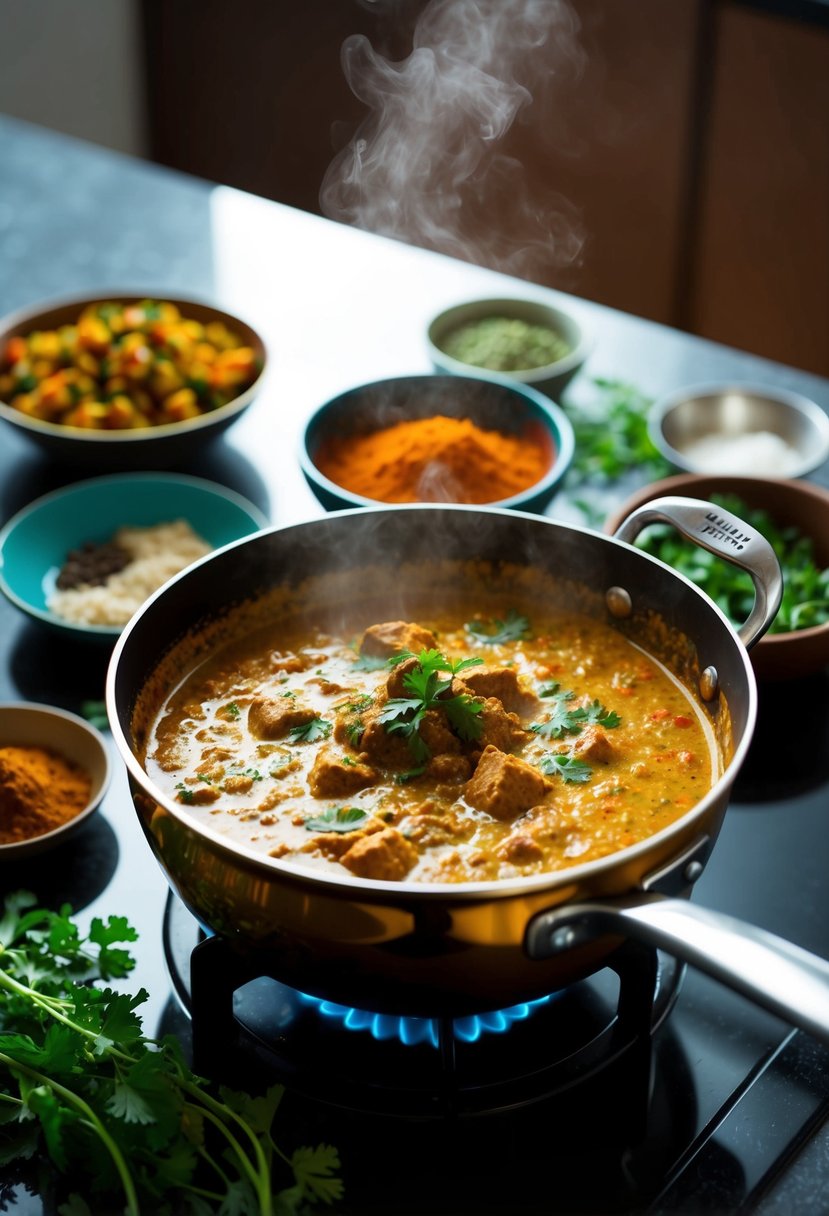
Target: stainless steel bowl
x=740 y=429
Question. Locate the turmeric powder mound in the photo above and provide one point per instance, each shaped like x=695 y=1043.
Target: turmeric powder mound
x=39 y=791
x=437 y=459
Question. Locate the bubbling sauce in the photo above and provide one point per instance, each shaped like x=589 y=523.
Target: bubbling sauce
x=458 y=747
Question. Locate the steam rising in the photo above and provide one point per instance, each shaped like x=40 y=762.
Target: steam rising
x=425 y=166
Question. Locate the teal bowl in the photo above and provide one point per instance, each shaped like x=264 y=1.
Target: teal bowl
x=491 y=403
x=35 y=542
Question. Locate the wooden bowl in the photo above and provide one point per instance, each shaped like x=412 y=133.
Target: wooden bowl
x=802 y=504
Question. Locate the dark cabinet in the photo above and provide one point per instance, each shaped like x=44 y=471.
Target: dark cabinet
x=670 y=160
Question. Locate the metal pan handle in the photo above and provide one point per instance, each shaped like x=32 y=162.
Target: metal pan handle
x=726 y=536
x=783 y=978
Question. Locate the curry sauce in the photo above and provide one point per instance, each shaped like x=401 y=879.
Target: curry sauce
x=453 y=748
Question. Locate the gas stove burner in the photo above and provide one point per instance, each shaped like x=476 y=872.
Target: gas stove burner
x=245 y=1022
x=411 y=1031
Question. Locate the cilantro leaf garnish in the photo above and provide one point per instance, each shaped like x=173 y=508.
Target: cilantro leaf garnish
x=596 y=712
x=570 y=768
x=354 y=732
x=410 y=774
x=428 y=686
x=338 y=819
x=310 y=732
x=513 y=628
x=564 y=721
x=369 y=662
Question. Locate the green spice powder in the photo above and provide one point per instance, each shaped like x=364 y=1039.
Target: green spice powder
x=505 y=344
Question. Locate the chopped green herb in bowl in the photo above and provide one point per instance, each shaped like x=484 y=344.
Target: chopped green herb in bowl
x=530 y=341
x=794 y=517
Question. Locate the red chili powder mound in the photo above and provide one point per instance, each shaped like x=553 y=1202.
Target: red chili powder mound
x=437 y=459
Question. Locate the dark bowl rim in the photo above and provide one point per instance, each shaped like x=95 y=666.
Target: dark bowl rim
x=554 y=417
x=523 y=376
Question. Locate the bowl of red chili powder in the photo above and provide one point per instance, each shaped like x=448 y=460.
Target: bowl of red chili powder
x=54 y=772
x=437 y=438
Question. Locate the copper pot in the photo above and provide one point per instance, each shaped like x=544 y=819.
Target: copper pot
x=431 y=949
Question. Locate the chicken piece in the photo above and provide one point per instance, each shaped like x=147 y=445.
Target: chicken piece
x=505 y=786
x=295 y=662
x=386 y=855
x=594 y=745
x=520 y=849
x=449 y=768
x=395 y=685
x=393 y=637
x=383 y=748
x=389 y=749
x=499 y=728
x=502 y=683
x=270 y=718
x=333 y=776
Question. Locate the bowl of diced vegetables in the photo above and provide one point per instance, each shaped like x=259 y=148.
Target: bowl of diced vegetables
x=126 y=381
x=793 y=515
x=531 y=341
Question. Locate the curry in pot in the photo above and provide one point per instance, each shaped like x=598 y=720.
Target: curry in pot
x=455 y=748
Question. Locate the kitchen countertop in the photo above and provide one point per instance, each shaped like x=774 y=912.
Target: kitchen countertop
x=336 y=307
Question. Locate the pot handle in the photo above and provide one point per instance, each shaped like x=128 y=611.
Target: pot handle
x=783 y=978
x=726 y=536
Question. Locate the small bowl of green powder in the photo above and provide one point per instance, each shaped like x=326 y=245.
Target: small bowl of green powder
x=528 y=341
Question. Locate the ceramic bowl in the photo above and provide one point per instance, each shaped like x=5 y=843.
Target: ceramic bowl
x=739 y=429
x=152 y=447
x=550 y=378
x=491 y=404
x=802 y=504
x=35 y=542
x=26 y=724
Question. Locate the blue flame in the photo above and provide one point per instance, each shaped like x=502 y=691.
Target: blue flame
x=411 y=1031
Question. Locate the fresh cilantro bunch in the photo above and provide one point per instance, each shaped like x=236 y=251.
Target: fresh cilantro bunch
x=124 y=1122
x=805 y=600
x=428 y=688
x=612 y=435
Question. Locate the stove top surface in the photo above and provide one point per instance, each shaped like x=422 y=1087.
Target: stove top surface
x=735 y=1115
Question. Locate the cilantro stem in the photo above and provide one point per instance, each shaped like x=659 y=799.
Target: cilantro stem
x=215 y=1112
x=45 y=1003
x=91 y=1120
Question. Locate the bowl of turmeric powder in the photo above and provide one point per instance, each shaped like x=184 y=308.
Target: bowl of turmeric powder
x=437 y=438
x=54 y=772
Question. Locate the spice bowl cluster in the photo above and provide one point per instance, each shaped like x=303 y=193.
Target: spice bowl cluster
x=437 y=438
x=54 y=773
